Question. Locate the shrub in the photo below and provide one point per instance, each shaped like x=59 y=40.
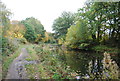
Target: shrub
x=7 y=46
x=23 y=40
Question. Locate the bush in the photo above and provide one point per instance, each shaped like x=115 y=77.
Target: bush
x=7 y=46
x=23 y=40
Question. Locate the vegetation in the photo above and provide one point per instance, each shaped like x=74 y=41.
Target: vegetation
x=93 y=25
x=50 y=65
x=94 y=28
x=34 y=29
x=80 y=37
x=12 y=36
x=61 y=24
x=48 y=38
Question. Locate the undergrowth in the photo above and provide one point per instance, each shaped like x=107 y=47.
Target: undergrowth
x=49 y=66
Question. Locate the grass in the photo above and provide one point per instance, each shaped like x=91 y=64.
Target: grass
x=50 y=67
x=32 y=53
x=8 y=60
x=36 y=69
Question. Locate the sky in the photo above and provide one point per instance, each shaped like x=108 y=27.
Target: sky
x=46 y=11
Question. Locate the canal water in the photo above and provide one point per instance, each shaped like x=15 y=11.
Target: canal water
x=90 y=64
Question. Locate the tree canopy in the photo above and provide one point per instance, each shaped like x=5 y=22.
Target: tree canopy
x=77 y=34
x=4 y=17
x=62 y=23
x=103 y=18
x=34 y=29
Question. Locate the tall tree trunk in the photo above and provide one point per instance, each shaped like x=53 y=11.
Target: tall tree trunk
x=110 y=33
x=98 y=34
x=104 y=36
x=94 y=37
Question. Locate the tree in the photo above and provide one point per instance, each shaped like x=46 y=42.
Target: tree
x=34 y=29
x=30 y=34
x=4 y=17
x=48 y=38
x=6 y=46
x=77 y=34
x=62 y=23
x=36 y=25
x=16 y=30
x=102 y=20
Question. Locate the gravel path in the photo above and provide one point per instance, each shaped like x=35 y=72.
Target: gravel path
x=17 y=68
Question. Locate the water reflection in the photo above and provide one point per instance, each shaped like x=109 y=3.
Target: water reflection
x=78 y=63
x=92 y=65
x=89 y=64
x=111 y=69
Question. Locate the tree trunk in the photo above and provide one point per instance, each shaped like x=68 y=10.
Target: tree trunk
x=94 y=37
x=98 y=34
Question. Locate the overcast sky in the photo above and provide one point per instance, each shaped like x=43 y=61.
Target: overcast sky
x=44 y=10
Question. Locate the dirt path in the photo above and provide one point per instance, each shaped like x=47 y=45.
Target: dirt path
x=17 y=68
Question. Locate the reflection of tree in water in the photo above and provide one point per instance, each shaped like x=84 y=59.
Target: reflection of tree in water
x=95 y=66
x=103 y=68
x=111 y=69
x=78 y=62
